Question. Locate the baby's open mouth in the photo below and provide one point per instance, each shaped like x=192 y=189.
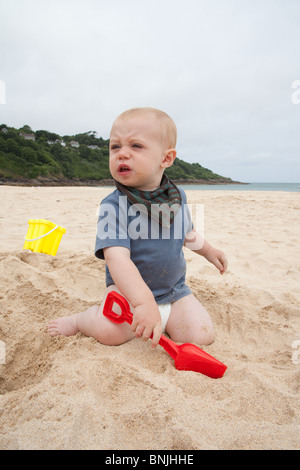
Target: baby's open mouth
x=123 y=168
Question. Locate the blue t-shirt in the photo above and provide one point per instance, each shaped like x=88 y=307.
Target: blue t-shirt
x=155 y=250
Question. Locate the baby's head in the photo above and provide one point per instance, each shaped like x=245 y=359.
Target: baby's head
x=142 y=146
x=163 y=126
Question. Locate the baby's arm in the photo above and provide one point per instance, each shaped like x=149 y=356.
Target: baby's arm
x=126 y=276
x=195 y=242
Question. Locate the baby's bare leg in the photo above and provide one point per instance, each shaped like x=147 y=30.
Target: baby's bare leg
x=92 y=323
x=189 y=322
x=68 y=326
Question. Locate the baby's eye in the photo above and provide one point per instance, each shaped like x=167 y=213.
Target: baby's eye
x=137 y=146
x=114 y=146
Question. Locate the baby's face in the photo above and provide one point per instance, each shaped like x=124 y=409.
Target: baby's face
x=137 y=153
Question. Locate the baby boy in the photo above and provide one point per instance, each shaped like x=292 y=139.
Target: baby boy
x=143 y=225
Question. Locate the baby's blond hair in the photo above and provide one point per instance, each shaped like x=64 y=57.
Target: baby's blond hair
x=166 y=126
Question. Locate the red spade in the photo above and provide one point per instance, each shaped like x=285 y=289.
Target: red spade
x=186 y=356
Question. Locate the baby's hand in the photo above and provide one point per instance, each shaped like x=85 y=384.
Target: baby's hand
x=147 y=321
x=218 y=258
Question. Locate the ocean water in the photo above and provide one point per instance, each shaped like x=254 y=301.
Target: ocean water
x=290 y=187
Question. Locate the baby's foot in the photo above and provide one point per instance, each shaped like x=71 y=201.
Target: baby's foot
x=66 y=326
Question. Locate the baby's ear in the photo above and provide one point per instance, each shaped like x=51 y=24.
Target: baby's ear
x=169 y=158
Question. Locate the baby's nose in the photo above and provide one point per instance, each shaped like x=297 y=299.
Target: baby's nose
x=124 y=152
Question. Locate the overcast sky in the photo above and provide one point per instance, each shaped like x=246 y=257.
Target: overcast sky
x=223 y=69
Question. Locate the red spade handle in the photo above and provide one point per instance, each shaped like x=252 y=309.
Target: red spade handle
x=126 y=315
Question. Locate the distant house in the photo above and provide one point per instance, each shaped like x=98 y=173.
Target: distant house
x=74 y=144
x=61 y=142
x=93 y=147
x=27 y=136
x=4 y=130
x=57 y=141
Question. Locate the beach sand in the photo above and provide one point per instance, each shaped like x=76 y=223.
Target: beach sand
x=75 y=393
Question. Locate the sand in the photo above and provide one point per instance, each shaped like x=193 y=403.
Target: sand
x=75 y=393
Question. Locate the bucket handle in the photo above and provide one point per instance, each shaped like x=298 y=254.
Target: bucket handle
x=42 y=236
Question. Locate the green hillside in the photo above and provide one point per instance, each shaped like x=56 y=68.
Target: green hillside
x=45 y=157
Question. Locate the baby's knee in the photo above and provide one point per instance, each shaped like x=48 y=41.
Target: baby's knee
x=207 y=336
x=109 y=338
x=110 y=334
x=201 y=335
x=204 y=334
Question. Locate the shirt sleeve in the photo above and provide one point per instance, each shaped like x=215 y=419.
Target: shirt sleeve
x=112 y=224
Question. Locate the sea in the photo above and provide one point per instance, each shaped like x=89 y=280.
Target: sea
x=289 y=187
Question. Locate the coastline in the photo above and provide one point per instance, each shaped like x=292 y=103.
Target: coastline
x=105 y=182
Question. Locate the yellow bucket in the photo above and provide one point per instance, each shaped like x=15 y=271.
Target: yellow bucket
x=43 y=236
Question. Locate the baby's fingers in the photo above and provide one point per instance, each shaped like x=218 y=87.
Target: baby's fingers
x=149 y=332
x=139 y=331
x=224 y=264
x=156 y=335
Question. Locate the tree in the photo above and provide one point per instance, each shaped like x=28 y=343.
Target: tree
x=27 y=129
x=29 y=155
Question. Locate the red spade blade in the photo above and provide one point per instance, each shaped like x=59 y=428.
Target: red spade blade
x=190 y=357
